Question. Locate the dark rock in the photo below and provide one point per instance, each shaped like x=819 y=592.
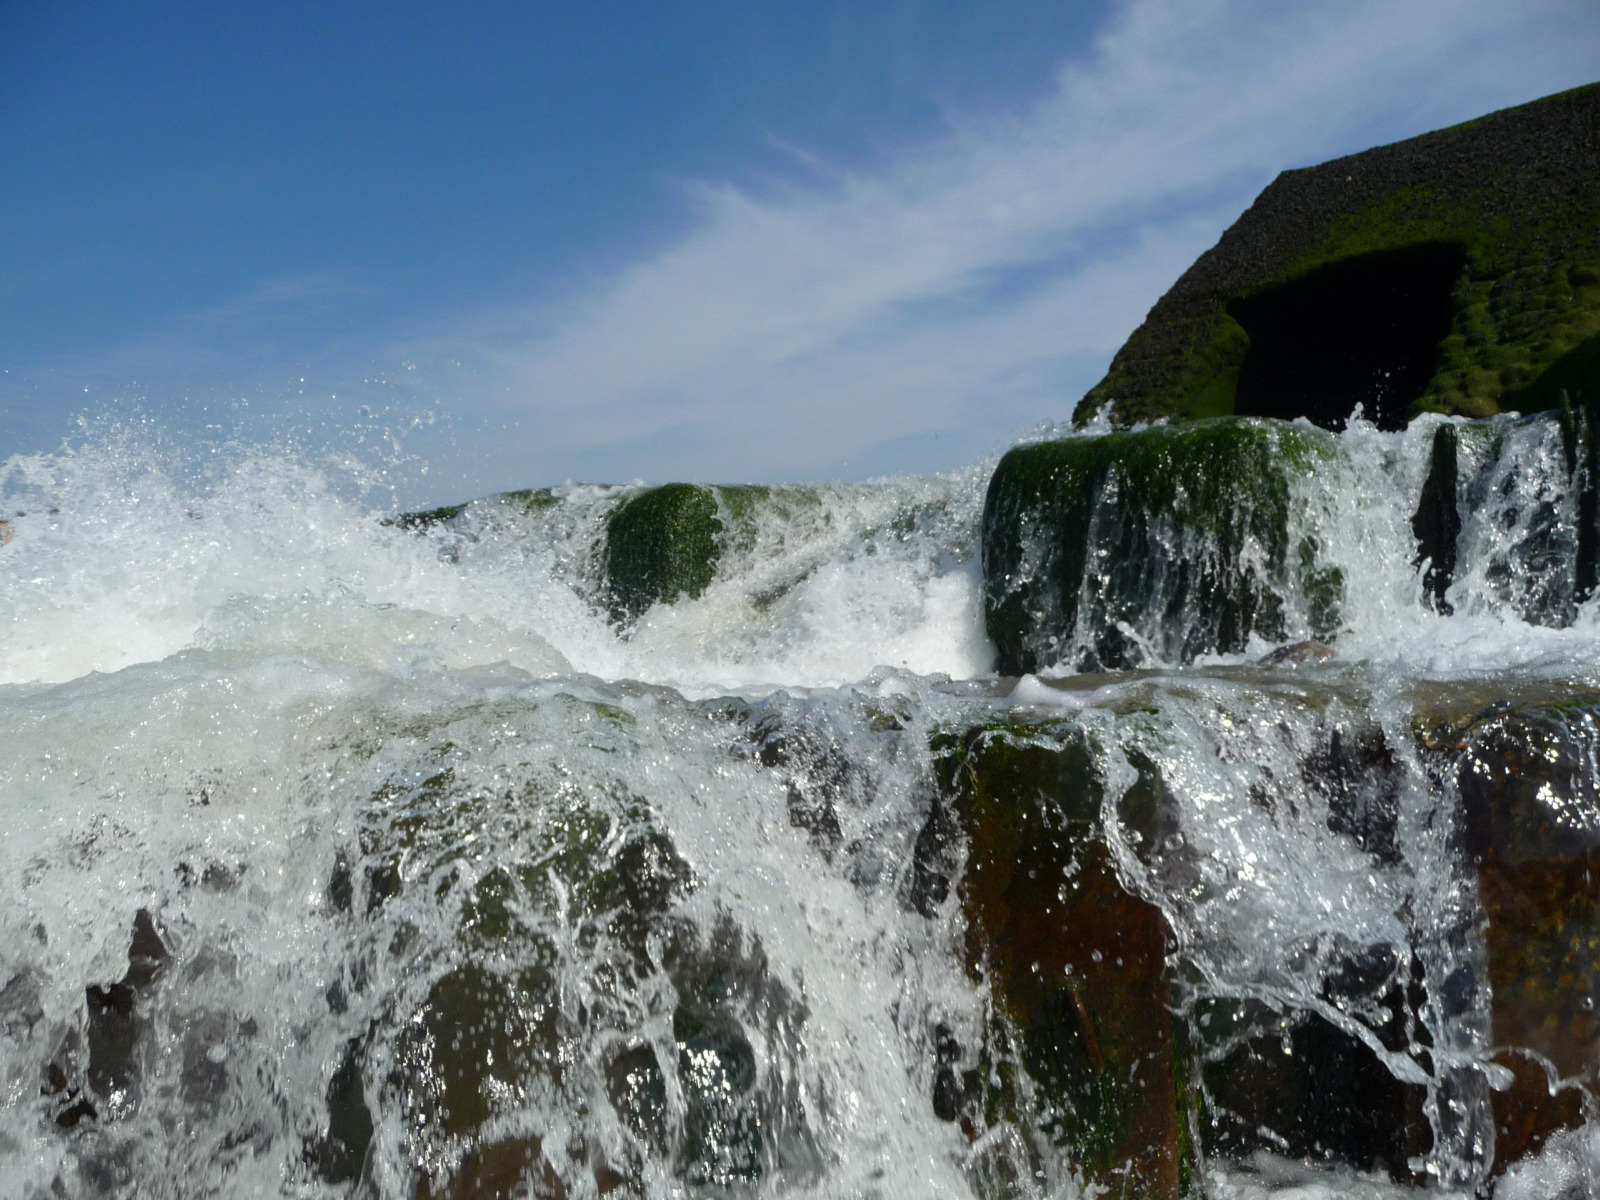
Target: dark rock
x=1177 y=534
x=115 y=1024
x=717 y=1071
x=1363 y=781
x=1580 y=429
x=637 y=1089
x=480 y=1040
x=1446 y=273
x=1294 y=1084
x=1531 y=807
x=741 y=1121
x=341 y=1156
x=341 y=890
x=1075 y=963
x=816 y=771
x=933 y=859
x=1437 y=522
x=661 y=545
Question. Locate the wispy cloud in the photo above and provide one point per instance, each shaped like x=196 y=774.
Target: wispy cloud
x=975 y=285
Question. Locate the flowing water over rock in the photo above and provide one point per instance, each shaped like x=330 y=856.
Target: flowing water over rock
x=920 y=837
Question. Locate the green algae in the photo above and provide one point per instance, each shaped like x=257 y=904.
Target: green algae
x=1179 y=532
x=1517 y=191
x=1075 y=963
x=661 y=545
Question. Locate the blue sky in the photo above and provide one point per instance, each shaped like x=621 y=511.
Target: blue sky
x=712 y=240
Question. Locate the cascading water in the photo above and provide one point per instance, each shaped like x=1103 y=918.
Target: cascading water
x=353 y=858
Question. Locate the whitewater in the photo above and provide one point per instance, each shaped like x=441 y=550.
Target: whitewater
x=392 y=800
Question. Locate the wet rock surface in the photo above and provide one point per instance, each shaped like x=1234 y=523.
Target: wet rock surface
x=1103 y=553
x=97 y=1077
x=1532 y=829
x=1075 y=962
x=661 y=544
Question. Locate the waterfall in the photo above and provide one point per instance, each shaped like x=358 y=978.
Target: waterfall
x=927 y=836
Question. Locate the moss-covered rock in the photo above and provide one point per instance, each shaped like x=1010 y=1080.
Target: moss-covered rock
x=1455 y=272
x=1076 y=964
x=529 y=500
x=661 y=545
x=1098 y=551
x=665 y=544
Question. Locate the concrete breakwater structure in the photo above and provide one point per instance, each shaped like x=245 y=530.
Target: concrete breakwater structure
x=1203 y=802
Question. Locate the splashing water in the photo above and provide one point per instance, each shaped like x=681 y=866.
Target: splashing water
x=343 y=855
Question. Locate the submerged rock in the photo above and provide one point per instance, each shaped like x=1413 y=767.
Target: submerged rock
x=1531 y=806
x=1455 y=272
x=1294 y=1084
x=101 y=1081
x=1437 y=522
x=567 y=937
x=1168 y=543
x=515 y=1167
x=1075 y=962
x=1296 y=653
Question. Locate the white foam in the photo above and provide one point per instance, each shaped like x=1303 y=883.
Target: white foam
x=222 y=665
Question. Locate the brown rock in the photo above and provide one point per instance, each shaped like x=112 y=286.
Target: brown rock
x=1076 y=964
x=1533 y=829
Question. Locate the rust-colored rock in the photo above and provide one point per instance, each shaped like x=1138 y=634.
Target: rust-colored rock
x=1076 y=963
x=1533 y=830
x=510 y=1168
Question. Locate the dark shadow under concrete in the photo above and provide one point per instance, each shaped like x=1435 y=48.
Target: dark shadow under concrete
x=1363 y=331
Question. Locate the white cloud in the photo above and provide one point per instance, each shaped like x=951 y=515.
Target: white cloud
x=971 y=286
x=791 y=331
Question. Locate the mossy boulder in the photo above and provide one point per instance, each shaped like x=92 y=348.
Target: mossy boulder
x=528 y=500
x=664 y=544
x=1456 y=272
x=1076 y=964
x=1176 y=541
x=661 y=545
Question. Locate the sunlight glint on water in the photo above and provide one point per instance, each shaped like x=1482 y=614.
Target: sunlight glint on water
x=222 y=688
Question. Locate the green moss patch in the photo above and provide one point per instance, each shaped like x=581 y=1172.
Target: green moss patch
x=1177 y=539
x=1518 y=192
x=661 y=545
